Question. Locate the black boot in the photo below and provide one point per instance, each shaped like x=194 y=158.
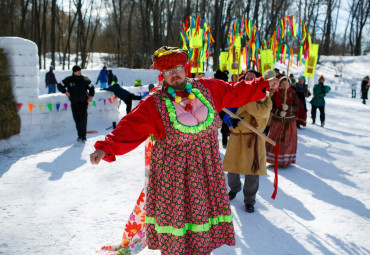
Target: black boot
x=313 y=121
x=249 y=208
x=232 y=195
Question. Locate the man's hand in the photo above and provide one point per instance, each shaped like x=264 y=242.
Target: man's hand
x=89 y=100
x=282 y=114
x=96 y=156
x=273 y=82
x=284 y=107
x=235 y=122
x=67 y=94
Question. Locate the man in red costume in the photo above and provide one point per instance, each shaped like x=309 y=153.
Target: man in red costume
x=187 y=206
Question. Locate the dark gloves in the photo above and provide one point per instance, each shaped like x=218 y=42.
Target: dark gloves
x=235 y=122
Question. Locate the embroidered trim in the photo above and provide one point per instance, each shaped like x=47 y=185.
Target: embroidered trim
x=191 y=129
x=189 y=226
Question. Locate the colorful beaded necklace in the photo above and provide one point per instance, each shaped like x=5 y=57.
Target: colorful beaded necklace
x=180 y=96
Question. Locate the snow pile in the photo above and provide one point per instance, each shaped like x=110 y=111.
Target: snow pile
x=42 y=116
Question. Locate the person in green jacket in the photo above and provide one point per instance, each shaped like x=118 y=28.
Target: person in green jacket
x=318 y=101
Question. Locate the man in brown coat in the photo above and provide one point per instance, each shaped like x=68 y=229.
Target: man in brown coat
x=246 y=153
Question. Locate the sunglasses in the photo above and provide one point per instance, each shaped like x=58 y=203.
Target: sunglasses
x=175 y=70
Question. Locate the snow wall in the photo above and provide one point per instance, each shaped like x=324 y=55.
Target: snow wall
x=43 y=116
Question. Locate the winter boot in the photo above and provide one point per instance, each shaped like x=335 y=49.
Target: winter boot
x=322 y=124
x=249 y=208
x=313 y=121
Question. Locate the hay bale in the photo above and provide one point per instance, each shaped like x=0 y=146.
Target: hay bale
x=10 y=123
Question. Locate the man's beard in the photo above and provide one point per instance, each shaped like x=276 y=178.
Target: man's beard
x=177 y=83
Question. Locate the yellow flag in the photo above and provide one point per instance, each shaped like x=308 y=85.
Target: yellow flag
x=234 y=61
x=310 y=65
x=196 y=39
x=223 y=61
x=267 y=60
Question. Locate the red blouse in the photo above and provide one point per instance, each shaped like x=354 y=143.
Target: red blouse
x=144 y=119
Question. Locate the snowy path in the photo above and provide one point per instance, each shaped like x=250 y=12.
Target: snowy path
x=53 y=201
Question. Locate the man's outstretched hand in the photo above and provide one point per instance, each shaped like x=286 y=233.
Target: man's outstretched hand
x=96 y=156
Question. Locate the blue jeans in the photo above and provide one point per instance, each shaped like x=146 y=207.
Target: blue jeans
x=103 y=85
x=51 y=88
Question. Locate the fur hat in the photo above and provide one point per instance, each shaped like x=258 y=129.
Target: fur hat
x=269 y=74
x=76 y=68
x=166 y=58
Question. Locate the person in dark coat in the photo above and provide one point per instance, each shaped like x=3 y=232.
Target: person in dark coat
x=110 y=77
x=365 y=89
x=50 y=81
x=80 y=91
x=223 y=75
x=122 y=94
x=302 y=91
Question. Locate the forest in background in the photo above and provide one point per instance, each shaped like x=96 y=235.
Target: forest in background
x=131 y=30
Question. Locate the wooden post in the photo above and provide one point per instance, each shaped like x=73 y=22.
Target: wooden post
x=250 y=127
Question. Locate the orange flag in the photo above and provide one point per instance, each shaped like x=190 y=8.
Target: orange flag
x=30 y=106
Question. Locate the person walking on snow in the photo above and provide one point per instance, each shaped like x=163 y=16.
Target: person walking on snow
x=246 y=152
x=51 y=81
x=318 y=101
x=103 y=78
x=364 y=89
x=187 y=205
x=302 y=92
x=79 y=90
x=283 y=127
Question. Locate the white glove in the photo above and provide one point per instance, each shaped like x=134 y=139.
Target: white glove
x=282 y=114
x=285 y=107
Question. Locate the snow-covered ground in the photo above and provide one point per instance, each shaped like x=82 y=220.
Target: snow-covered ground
x=53 y=201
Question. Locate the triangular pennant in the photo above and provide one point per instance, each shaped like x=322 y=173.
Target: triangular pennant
x=104 y=101
x=50 y=106
x=94 y=103
x=40 y=107
x=110 y=100
x=65 y=107
x=30 y=106
x=19 y=106
x=114 y=99
x=57 y=106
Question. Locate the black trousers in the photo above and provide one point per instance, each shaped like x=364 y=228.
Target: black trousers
x=129 y=102
x=322 y=112
x=79 y=112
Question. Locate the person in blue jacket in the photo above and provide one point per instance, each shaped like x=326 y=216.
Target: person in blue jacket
x=103 y=78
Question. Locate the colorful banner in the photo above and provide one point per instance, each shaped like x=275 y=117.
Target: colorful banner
x=196 y=37
x=267 y=60
x=112 y=100
x=310 y=65
x=223 y=61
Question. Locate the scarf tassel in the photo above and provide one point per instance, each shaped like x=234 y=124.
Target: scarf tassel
x=276 y=151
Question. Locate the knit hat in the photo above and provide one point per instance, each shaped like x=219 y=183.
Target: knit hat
x=302 y=77
x=76 y=68
x=366 y=77
x=321 y=77
x=166 y=58
x=51 y=68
